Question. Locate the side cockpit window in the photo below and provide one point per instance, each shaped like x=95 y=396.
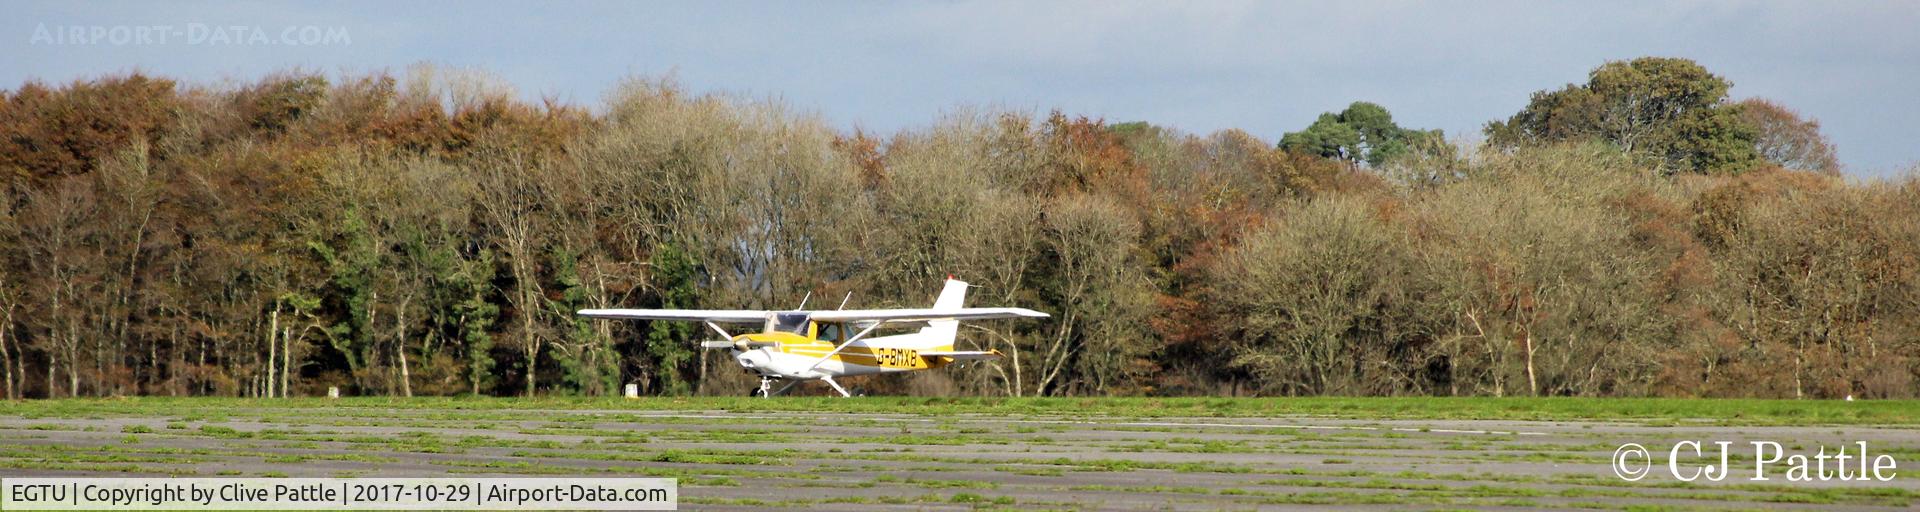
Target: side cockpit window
x=830 y=332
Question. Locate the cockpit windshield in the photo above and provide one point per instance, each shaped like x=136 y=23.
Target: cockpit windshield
x=795 y=323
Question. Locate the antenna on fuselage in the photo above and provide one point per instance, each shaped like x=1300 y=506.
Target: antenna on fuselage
x=803 y=300
x=843 y=302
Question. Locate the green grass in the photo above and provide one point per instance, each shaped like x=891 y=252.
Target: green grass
x=946 y=444
x=1650 y=410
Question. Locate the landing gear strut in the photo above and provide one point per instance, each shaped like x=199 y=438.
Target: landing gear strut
x=836 y=387
x=765 y=389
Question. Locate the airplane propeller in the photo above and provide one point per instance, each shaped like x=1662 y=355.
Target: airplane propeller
x=742 y=345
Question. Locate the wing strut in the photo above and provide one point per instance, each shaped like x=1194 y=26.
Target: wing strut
x=843 y=346
x=716 y=328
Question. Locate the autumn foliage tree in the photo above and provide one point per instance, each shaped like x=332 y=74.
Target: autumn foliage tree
x=1783 y=138
x=430 y=232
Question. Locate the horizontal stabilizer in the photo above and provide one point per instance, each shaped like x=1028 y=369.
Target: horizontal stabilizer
x=973 y=355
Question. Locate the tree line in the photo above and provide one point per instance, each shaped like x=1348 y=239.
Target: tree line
x=428 y=233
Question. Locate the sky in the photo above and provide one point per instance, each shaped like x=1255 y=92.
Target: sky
x=1264 y=67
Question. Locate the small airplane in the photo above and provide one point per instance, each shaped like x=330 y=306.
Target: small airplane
x=802 y=345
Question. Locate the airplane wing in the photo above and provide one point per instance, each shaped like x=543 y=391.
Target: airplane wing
x=721 y=316
x=754 y=316
x=850 y=315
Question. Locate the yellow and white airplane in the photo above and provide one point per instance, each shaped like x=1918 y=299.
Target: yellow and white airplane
x=806 y=345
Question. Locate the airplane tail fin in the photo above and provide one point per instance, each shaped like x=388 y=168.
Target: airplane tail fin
x=942 y=332
x=953 y=296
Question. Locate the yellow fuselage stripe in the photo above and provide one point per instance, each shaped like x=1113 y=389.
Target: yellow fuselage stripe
x=883 y=357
